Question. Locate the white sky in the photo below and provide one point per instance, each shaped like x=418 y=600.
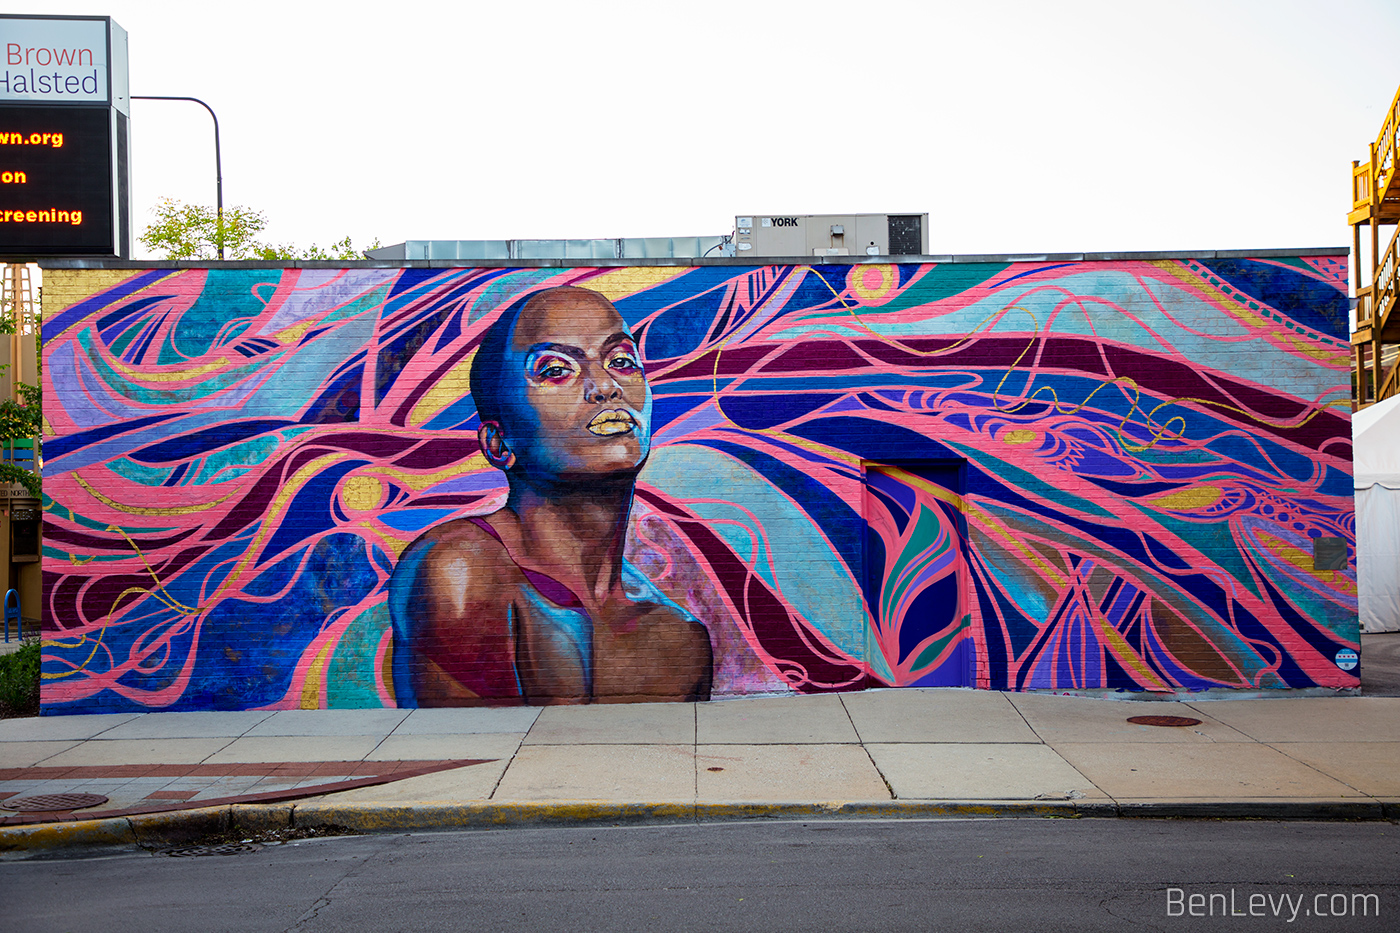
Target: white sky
x=1018 y=126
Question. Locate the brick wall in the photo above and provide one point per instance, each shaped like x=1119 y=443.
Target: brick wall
x=1091 y=475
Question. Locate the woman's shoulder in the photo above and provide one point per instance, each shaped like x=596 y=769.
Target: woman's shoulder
x=464 y=548
x=452 y=575
x=475 y=534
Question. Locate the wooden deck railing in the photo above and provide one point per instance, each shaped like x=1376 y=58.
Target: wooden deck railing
x=1375 y=300
x=1375 y=201
x=1377 y=176
x=1375 y=310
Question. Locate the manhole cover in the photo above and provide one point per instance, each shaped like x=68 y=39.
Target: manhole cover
x=47 y=802
x=228 y=848
x=1164 y=720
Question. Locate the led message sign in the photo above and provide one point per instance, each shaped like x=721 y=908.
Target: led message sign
x=55 y=181
x=64 y=106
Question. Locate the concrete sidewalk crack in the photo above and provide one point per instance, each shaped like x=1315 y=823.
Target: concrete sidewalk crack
x=397 y=726
x=1090 y=781
x=1028 y=723
x=1195 y=708
x=114 y=725
x=889 y=788
x=510 y=761
x=254 y=725
x=1313 y=767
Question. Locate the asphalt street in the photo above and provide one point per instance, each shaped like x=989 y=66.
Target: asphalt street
x=1025 y=875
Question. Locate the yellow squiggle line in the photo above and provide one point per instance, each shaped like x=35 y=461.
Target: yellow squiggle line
x=161 y=594
x=1060 y=408
x=1165 y=428
x=164 y=596
x=1158 y=433
x=173 y=602
x=97 y=644
x=1035 y=335
x=142 y=591
x=811 y=446
x=893 y=342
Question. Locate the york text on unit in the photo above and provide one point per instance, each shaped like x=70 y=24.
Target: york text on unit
x=785 y=221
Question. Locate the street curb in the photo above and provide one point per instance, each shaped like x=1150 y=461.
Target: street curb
x=1322 y=810
x=371 y=817
x=71 y=838
x=187 y=827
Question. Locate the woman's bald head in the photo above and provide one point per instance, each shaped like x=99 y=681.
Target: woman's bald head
x=591 y=349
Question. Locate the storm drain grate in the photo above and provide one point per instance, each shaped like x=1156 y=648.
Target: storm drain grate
x=50 y=802
x=227 y=848
x=1164 y=720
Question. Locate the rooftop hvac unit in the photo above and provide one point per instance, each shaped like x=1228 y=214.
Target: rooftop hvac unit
x=792 y=235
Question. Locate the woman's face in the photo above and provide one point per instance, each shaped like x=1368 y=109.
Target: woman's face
x=582 y=405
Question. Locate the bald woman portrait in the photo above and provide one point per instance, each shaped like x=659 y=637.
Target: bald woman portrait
x=534 y=603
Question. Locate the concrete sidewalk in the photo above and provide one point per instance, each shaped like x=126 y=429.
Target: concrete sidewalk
x=908 y=752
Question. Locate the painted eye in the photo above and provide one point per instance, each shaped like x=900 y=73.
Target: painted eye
x=624 y=362
x=552 y=369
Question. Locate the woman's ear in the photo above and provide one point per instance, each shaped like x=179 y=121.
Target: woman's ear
x=493 y=444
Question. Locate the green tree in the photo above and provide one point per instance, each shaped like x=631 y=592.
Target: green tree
x=191 y=231
x=21 y=420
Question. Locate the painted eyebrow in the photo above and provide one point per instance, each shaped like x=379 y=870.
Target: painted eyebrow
x=615 y=339
x=578 y=353
x=564 y=348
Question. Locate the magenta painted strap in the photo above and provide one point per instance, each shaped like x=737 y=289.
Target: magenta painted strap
x=548 y=587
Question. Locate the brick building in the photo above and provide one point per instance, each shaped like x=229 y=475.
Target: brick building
x=1081 y=472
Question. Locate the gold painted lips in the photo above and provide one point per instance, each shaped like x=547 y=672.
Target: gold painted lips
x=612 y=421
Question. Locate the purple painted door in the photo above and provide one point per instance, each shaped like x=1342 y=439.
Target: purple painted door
x=916 y=576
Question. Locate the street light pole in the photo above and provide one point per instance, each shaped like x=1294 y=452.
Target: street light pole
x=218 y=161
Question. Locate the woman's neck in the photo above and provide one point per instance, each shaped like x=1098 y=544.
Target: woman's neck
x=576 y=530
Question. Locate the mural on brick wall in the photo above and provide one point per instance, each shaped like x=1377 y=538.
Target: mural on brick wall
x=277 y=488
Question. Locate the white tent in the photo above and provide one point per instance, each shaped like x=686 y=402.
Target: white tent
x=1375 y=434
